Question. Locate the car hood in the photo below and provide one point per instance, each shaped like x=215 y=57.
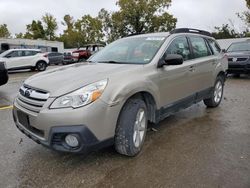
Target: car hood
x=66 y=79
x=237 y=54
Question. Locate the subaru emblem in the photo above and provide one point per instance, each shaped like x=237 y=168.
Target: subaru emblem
x=27 y=93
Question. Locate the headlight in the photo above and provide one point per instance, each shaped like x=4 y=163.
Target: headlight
x=81 y=97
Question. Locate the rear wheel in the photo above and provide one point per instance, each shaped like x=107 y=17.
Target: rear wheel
x=41 y=66
x=218 y=90
x=131 y=127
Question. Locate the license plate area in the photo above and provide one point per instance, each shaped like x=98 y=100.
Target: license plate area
x=23 y=119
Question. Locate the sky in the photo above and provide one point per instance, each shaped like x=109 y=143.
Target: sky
x=201 y=14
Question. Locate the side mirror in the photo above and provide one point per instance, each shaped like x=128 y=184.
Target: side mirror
x=171 y=59
x=224 y=51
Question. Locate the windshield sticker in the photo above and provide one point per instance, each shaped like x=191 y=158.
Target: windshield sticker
x=156 y=38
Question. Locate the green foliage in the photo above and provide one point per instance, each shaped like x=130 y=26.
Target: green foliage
x=245 y=16
x=133 y=17
x=89 y=29
x=19 y=35
x=35 y=30
x=69 y=36
x=50 y=26
x=225 y=32
x=4 y=32
x=137 y=16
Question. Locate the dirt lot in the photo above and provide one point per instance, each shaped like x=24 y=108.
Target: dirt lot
x=197 y=147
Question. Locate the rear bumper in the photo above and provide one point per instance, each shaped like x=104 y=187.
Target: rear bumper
x=238 y=68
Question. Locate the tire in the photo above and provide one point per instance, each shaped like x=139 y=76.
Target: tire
x=131 y=127
x=217 y=96
x=41 y=66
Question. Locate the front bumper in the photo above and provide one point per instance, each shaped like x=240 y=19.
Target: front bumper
x=87 y=141
x=239 y=68
x=93 y=124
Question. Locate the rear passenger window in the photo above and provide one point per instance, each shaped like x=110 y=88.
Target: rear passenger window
x=200 y=47
x=28 y=53
x=215 y=47
x=180 y=46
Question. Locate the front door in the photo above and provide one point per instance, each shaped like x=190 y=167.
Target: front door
x=176 y=81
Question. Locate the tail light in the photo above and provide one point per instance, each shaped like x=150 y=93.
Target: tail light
x=45 y=55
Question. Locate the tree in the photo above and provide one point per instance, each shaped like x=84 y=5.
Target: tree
x=50 y=26
x=70 y=36
x=35 y=30
x=137 y=16
x=19 y=35
x=225 y=32
x=89 y=30
x=4 y=32
x=245 y=16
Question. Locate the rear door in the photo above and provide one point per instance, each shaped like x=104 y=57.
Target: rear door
x=203 y=60
x=29 y=58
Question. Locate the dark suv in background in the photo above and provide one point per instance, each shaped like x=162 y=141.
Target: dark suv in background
x=239 y=58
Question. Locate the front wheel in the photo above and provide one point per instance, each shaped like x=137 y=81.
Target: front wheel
x=131 y=127
x=41 y=66
x=218 y=90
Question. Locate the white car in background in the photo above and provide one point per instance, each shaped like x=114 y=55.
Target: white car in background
x=16 y=59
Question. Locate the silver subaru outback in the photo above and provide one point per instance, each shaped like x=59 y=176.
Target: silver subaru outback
x=110 y=99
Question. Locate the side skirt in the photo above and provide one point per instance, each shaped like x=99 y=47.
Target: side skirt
x=168 y=110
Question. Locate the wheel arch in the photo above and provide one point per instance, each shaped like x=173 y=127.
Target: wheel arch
x=149 y=100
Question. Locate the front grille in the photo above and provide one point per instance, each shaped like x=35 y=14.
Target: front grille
x=31 y=99
x=239 y=59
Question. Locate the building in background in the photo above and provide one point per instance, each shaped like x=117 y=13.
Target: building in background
x=44 y=45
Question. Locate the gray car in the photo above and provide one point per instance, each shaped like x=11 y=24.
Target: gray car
x=110 y=99
x=239 y=58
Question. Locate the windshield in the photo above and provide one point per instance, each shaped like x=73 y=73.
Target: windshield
x=237 y=47
x=131 y=50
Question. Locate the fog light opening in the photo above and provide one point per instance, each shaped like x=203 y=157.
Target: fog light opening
x=72 y=140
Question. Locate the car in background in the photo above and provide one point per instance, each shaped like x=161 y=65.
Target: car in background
x=82 y=54
x=55 y=58
x=68 y=58
x=16 y=59
x=239 y=58
x=93 y=48
x=3 y=74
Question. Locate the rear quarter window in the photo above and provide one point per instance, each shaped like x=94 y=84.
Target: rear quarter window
x=214 y=46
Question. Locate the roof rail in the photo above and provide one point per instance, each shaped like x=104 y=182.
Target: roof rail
x=191 y=30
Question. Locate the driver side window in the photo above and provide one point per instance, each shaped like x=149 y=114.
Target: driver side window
x=14 y=54
x=180 y=46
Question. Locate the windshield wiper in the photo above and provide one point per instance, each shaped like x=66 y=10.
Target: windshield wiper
x=112 y=62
